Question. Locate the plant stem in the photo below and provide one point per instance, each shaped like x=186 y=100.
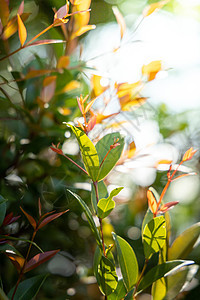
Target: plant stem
x=75 y=163
x=100 y=220
x=23 y=267
x=140 y=277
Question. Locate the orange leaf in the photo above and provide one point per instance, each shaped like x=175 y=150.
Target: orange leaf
x=189 y=154
x=101 y=117
x=49 y=86
x=37 y=73
x=165 y=207
x=120 y=20
x=91 y=123
x=98 y=89
x=57 y=150
x=72 y=85
x=17 y=260
x=64 y=111
x=163 y=162
x=63 y=62
x=21 y=30
x=153 y=7
x=30 y=218
x=152 y=202
x=39 y=259
x=4 y=12
x=89 y=105
x=12 y=26
x=81 y=125
x=152 y=69
x=58 y=22
x=82 y=30
x=51 y=218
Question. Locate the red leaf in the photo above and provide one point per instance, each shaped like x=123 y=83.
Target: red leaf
x=57 y=150
x=165 y=207
x=51 y=218
x=91 y=123
x=10 y=219
x=152 y=202
x=30 y=218
x=189 y=154
x=39 y=259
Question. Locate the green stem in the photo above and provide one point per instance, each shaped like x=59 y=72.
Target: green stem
x=140 y=277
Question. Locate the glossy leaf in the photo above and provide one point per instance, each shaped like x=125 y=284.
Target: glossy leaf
x=161 y=270
x=119 y=293
x=105 y=272
x=106 y=205
x=2 y=209
x=39 y=259
x=103 y=146
x=154 y=236
x=89 y=218
x=30 y=218
x=127 y=262
x=21 y=30
x=51 y=218
x=184 y=243
x=88 y=152
x=102 y=193
x=28 y=288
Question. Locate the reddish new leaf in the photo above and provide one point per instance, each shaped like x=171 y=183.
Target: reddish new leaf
x=56 y=149
x=152 y=202
x=45 y=42
x=51 y=218
x=91 y=123
x=9 y=219
x=30 y=218
x=39 y=259
x=189 y=154
x=21 y=8
x=165 y=207
x=17 y=260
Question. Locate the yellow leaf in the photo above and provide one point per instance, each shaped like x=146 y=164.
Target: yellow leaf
x=120 y=20
x=152 y=69
x=133 y=104
x=128 y=88
x=89 y=105
x=83 y=5
x=72 y=85
x=153 y=7
x=76 y=2
x=152 y=202
x=12 y=26
x=82 y=30
x=63 y=62
x=98 y=89
x=49 y=85
x=132 y=150
x=21 y=30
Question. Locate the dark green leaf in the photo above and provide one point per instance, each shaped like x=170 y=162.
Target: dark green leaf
x=28 y=288
x=159 y=271
x=154 y=236
x=127 y=261
x=106 y=205
x=2 y=209
x=119 y=292
x=88 y=152
x=103 y=146
x=105 y=272
x=102 y=193
x=89 y=218
x=3 y=295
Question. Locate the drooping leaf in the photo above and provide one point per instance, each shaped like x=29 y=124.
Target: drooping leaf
x=105 y=272
x=161 y=270
x=119 y=293
x=127 y=262
x=154 y=236
x=30 y=218
x=89 y=218
x=103 y=147
x=2 y=209
x=39 y=259
x=183 y=244
x=21 y=30
x=102 y=193
x=51 y=218
x=28 y=288
x=106 y=205
x=88 y=152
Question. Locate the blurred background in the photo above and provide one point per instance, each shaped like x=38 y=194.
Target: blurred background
x=164 y=127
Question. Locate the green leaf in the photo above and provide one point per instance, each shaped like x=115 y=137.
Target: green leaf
x=102 y=193
x=89 y=218
x=3 y=295
x=105 y=272
x=6 y=246
x=127 y=262
x=28 y=288
x=119 y=292
x=161 y=270
x=106 y=205
x=103 y=146
x=184 y=243
x=2 y=209
x=154 y=236
x=88 y=152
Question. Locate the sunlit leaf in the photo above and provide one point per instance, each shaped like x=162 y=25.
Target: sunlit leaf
x=105 y=272
x=152 y=202
x=153 y=7
x=103 y=147
x=89 y=218
x=133 y=104
x=127 y=262
x=21 y=30
x=106 y=205
x=51 y=218
x=154 y=236
x=63 y=62
x=21 y=8
x=82 y=30
x=72 y=85
x=30 y=218
x=28 y=288
x=161 y=270
x=88 y=152
x=189 y=154
x=89 y=105
x=131 y=151
x=76 y=2
x=91 y=123
x=39 y=259
x=102 y=193
x=4 y=12
x=12 y=26
x=152 y=69
x=120 y=291
x=184 y=243
x=97 y=88
x=120 y=20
